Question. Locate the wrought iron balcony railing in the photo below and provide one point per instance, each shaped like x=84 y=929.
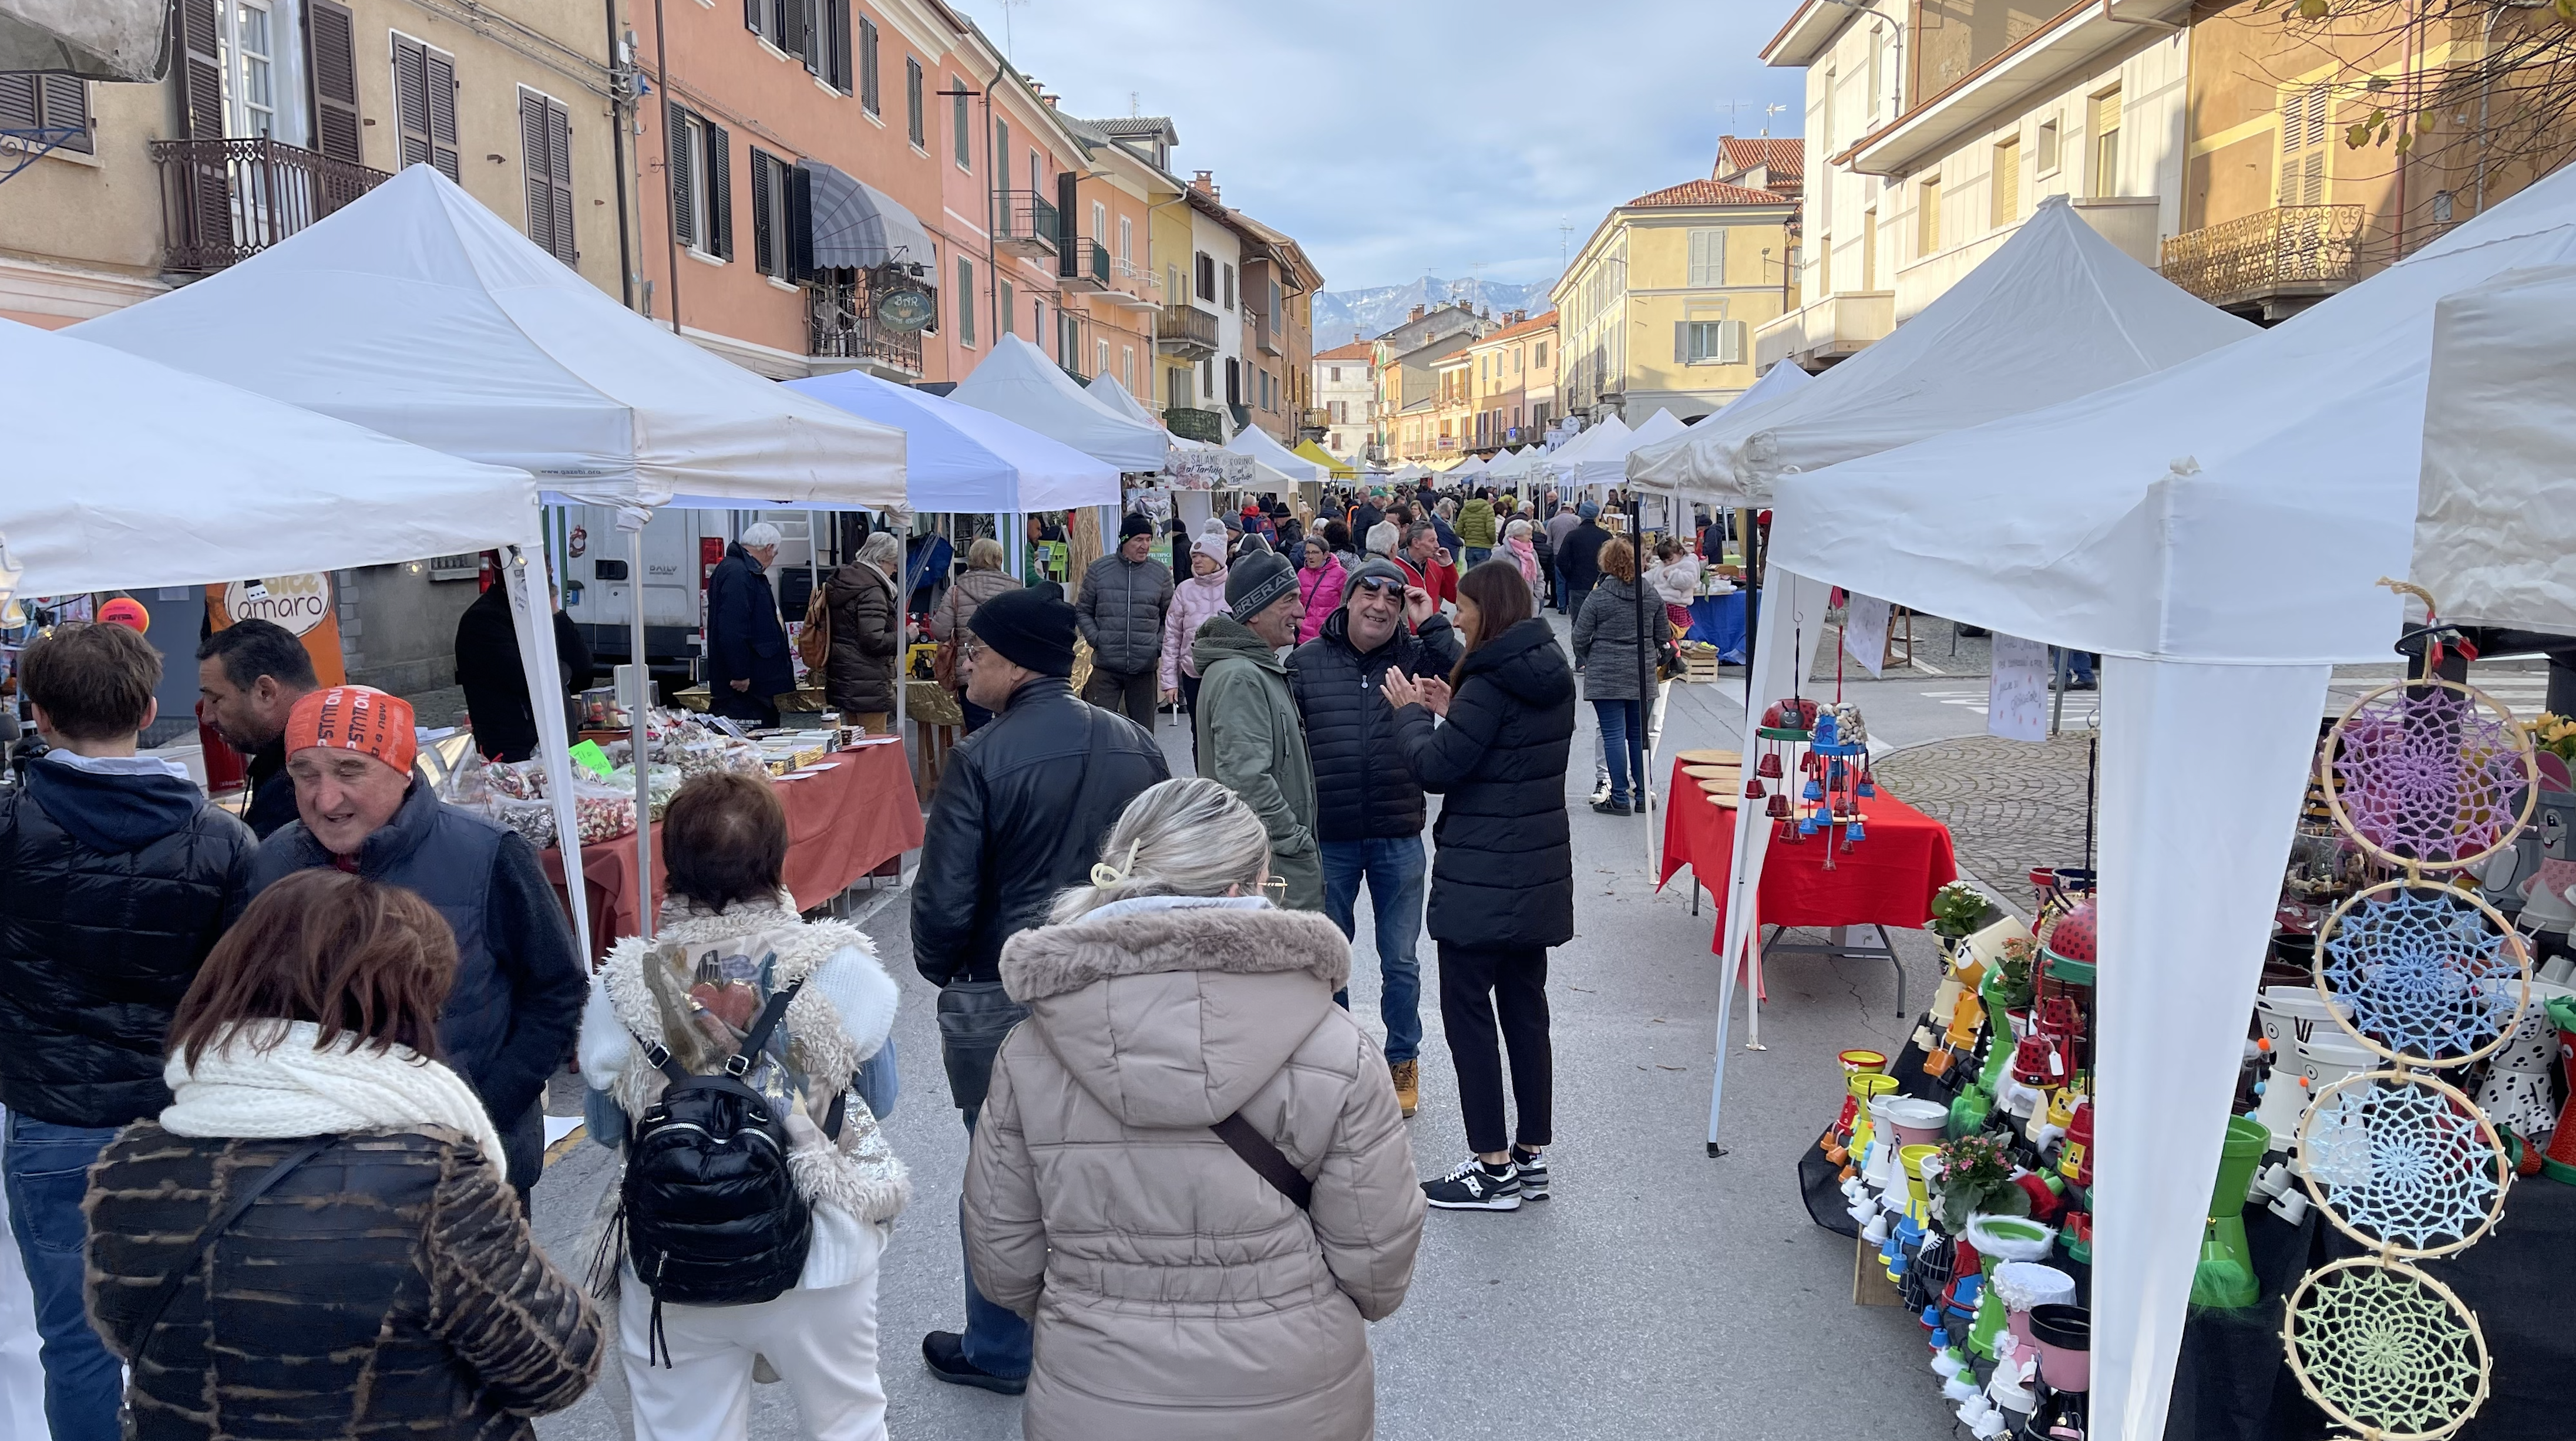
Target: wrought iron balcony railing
x=1083 y=264
x=1025 y=223
x=224 y=201
x=841 y=324
x=2287 y=250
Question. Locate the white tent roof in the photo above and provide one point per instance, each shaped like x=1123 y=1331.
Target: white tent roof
x=958 y=458
x=2235 y=508
x=417 y=312
x=1253 y=441
x=2056 y=312
x=1781 y=379
x=1565 y=463
x=2494 y=533
x=1606 y=463
x=1512 y=464
x=1018 y=383
x=1107 y=390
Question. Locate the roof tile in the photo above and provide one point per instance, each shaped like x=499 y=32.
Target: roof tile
x=1704 y=192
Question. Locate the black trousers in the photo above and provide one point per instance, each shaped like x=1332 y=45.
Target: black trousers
x=1130 y=695
x=759 y=710
x=1478 y=984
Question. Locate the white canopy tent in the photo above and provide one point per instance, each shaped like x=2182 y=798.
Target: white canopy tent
x=958 y=458
x=2216 y=531
x=1018 y=383
x=1606 y=462
x=1511 y=464
x=1468 y=469
x=1780 y=380
x=1289 y=467
x=2495 y=536
x=417 y=312
x=507 y=356
x=1564 y=465
x=1107 y=390
x=127 y=475
x=2056 y=312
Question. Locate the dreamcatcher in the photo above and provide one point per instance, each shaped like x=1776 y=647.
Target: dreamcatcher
x=2429 y=779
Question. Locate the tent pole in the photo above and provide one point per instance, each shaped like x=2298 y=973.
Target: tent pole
x=635 y=715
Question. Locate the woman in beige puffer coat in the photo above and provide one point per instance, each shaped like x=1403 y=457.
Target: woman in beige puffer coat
x=1176 y=1292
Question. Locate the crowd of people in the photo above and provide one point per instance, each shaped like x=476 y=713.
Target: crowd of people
x=275 y=1082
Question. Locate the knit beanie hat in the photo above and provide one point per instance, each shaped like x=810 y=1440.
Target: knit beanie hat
x=1031 y=628
x=1134 y=525
x=1376 y=567
x=1211 y=546
x=1256 y=581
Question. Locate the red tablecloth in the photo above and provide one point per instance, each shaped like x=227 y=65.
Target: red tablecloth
x=841 y=824
x=1888 y=879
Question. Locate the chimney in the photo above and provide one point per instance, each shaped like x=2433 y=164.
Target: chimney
x=1416 y=315
x=1205 y=184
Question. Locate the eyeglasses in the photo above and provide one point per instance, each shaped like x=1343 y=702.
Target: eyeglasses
x=1274 y=889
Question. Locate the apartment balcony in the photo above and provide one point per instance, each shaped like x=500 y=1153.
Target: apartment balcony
x=841 y=326
x=1315 y=417
x=1074 y=371
x=2270 y=264
x=1025 y=224
x=1185 y=332
x=1083 y=265
x=1191 y=424
x=1824 y=331
x=1265 y=336
x=224 y=201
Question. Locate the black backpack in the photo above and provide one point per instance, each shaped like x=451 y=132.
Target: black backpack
x=711 y=1212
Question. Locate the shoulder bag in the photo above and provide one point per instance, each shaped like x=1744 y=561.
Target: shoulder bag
x=975 y=1016
x=150 y=1319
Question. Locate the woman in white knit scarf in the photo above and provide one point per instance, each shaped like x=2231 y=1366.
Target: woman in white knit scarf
x=729 y=938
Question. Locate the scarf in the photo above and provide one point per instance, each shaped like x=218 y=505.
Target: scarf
x=274 y=1080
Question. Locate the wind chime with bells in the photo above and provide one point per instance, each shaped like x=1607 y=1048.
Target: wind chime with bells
x=1835 y=762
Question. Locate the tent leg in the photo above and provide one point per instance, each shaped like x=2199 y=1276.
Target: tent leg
x=643 y=674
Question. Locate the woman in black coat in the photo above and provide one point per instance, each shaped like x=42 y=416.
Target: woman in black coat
x=1502 y=879
x=867 y=631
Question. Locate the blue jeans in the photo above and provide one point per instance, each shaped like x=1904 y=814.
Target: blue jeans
x=997 y=1340
x=1623 y=745
x=47 y=1172
x=2078 y=663
x=1393 y=868
x=1474 y=556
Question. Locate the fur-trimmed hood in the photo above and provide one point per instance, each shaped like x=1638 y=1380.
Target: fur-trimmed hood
x=1174 y=1015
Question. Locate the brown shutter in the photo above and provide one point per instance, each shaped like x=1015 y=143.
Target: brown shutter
x=794 y=24
x=18 y=105
x=411 y=101
x=559 y=171
x=679 y=156
x=201 y=69
x=535 y=167
x=764 y=244
x=442 y=113
x=66 y=106
x=330 y=42
x=719 y=193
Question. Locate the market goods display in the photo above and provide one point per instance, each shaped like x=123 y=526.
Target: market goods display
x=2403 y=1163
x=2387 y=1350
x=2422 y=969
x=2430 y=773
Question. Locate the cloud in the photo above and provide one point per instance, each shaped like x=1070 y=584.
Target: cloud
x=1399 y=137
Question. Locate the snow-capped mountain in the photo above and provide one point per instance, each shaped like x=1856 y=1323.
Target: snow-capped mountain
x=1380 y=308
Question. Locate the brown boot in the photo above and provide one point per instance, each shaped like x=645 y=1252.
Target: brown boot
x=1408 y=1084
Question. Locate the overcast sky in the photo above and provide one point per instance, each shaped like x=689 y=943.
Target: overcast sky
x=1395 y=137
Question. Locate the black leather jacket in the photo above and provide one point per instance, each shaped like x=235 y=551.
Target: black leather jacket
x=1364 y=786
x=1004 y=835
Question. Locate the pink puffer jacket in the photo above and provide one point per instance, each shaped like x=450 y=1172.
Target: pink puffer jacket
x=1320 y=591
x=1193 y=602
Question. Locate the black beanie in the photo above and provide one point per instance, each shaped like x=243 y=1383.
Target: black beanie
x=1256 y=581
x=1135 y=524
x=1030 y=628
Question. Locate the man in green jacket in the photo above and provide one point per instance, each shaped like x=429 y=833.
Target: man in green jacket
x=1477 y=535
x=1251 y=739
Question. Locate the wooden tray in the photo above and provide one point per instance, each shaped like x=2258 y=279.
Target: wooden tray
x=1711 y=758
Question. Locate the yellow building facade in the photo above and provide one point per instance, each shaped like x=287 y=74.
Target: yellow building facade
x=1659 y=309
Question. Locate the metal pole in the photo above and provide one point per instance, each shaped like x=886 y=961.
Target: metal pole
x=2057 y=711
x=635 y=713
x=1645 y=676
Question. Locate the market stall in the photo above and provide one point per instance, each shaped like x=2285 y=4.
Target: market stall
x=1018 y=383
x=1290 y=468
x=2215 y=530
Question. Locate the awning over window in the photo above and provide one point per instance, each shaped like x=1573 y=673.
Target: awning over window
x=857 y=226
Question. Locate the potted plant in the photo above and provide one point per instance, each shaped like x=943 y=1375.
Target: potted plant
x=1960 y=910
x=1976 y=1179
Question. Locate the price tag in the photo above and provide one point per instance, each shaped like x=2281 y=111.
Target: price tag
x=591 y=758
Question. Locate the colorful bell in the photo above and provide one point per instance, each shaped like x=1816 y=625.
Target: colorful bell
x=1753 y=790
x=1769 y=767
x=1815 y=790
x=1866 y=789
x=1778 y=809
x=1853 y=832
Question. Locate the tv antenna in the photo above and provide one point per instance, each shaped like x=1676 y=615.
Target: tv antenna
x=1135 y=104
x=1007 y=7
x=1767 y=112
x=1564 y=239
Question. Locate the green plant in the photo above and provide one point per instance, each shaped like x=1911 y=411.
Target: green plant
x=2556 y=735
x=1976 y=1177
x=2019 y=960
x=1959 y=910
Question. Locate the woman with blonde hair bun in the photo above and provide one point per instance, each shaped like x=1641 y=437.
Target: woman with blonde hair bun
x=1191 y=1171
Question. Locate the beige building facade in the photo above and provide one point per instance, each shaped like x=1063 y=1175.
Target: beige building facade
x=1658 y=310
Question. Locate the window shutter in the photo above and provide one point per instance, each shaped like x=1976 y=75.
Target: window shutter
x=871 y=92
x=411 y=101
x=795 y=25
x=559 y=174
x=719 y=193
x=764 y=243
x=1731 y=341
x=836 y=40
x=751 y=15
x=1682 y=343
x=536 y=165
x=66 y=103
x=798 y=183
x=18 y=107
x=201 y=69
x=679 y=154
x=442 y=113
x=330 y=42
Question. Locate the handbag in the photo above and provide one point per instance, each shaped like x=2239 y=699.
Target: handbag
x=975 y=1017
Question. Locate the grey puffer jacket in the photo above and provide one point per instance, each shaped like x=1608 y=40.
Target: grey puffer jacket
x=866 y=627
x=1121 y=613
x=1176 y=1293
x=1605 y=639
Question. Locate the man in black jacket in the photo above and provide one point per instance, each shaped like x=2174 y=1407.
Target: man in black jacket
x=1125 y=597
x=516 y=1003
x=1578 y=556
x=250 y=674
x=747 y=663
x=1019 y=815
x=116 y=879
x=1369 y=810
x=495 y=679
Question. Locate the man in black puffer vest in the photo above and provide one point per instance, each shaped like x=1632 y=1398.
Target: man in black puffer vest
x=1368 y=806
x=510 y=1018
x=116 y=879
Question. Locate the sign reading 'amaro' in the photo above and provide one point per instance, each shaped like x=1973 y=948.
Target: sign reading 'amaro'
x=297 y=602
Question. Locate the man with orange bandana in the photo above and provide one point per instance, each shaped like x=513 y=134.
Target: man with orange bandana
x=510 y=1018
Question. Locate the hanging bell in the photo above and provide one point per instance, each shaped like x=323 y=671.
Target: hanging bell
x=1867 y=787
x=1809 y=826
x=1753 y=790
x=1778 y=809
x=1853 y=832
x=1815 y=791
x=1769 y=767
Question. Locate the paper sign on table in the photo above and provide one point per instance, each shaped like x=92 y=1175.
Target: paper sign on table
x=1865 y=631
x=591 y=758
x=2017 y=691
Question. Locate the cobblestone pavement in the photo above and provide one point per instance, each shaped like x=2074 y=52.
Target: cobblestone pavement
x=2009 y=805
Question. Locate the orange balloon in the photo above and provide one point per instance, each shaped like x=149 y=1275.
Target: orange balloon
x=128 y=612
